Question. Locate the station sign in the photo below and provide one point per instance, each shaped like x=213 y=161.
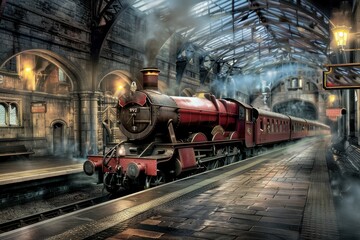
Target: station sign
x=342 y=76
x=38 y=107
x=334 y=113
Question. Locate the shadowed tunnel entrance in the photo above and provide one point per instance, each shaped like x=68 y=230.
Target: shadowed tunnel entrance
x=297 y=108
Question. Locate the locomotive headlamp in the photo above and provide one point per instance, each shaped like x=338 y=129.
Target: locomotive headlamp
x=93 y=164
x=121 y=151
x=134 y=169
x=89 y=167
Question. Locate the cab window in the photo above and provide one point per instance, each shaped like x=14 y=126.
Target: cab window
x=248 y=119
x=241 y=112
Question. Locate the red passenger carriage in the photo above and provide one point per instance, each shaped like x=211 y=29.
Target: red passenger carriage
x=271 y=127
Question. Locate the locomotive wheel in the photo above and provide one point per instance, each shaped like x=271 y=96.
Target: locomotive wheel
x=110 y=183
x=235 y=157
x=152 y=181
x=222 y=160
x=212 y=165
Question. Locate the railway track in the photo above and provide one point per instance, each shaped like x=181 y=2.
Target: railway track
x=42 y=216
x=58 y=211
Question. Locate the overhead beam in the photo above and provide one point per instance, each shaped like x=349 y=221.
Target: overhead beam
x=2 y=7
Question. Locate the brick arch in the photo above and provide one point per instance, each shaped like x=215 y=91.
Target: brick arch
x=74 y=72
x=63 y=122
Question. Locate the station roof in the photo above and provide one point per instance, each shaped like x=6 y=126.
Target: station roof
x=248 y=35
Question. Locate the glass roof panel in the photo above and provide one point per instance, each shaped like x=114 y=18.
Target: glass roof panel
x=260 y=31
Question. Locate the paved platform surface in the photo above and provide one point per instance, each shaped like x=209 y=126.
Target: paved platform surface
x=284 y=194
x=286 y=199
x=21 y=169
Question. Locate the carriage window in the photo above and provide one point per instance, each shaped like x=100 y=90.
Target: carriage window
x=261 y=125
x=241 y=112
x=268 y=126
x=248 y=119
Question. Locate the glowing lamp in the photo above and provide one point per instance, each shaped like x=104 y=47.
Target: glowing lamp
x=332 y=98
x=341 y=34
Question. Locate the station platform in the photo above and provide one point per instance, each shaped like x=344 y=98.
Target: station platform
x=21 y=169
x=284 y=194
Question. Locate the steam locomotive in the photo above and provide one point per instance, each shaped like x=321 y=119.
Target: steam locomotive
x=172 y=136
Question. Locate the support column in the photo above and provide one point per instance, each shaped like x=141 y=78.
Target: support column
x=357 y=120
x=88 y=124
x=94 y=123
x=352 y=112
x=344 y=118
x=348 y=113
x=75 y=125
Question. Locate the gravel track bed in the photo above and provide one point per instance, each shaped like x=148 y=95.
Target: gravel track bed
x=38 y=206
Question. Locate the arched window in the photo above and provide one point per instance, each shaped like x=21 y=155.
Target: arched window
x=2 y=115
x=10 y=112
x=62 y=76
x=13 y=114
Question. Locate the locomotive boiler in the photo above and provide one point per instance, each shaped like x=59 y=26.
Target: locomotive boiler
x=147 y=113
x=171 y=136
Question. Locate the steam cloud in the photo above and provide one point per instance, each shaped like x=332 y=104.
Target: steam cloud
x=163 y=22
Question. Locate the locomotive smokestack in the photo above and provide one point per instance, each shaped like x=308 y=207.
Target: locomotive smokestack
x=150 y=78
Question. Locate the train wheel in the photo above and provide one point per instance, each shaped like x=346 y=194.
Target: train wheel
x=218 y=162
x=152 y=181
x=212 y=165
x=234 y=153
x=110 y=183
x=221 y=152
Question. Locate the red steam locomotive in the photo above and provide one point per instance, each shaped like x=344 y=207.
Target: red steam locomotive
x=172 y=136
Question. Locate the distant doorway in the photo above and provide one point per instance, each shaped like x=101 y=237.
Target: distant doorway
x=58 y=139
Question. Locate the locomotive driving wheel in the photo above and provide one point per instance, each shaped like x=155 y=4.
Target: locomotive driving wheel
x=110 y=183
x=152 y=181
x=218 y=161
x=234 y=155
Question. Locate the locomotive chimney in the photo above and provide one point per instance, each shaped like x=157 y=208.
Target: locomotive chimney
x=150 y=78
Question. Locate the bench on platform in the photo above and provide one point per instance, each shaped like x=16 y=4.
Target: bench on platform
x=15 y=150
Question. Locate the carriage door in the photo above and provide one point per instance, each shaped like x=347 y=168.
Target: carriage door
x=58 y=138
x=249 y=128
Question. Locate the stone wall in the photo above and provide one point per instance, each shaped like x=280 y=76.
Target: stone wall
x=60 y=33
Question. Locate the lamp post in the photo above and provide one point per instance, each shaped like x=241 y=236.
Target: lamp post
x=341 y=35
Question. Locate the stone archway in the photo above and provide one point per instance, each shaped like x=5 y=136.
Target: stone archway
x=51 y=79
x=297 y=108
x=73 y=72
x=111 y=86
x=58 y=138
